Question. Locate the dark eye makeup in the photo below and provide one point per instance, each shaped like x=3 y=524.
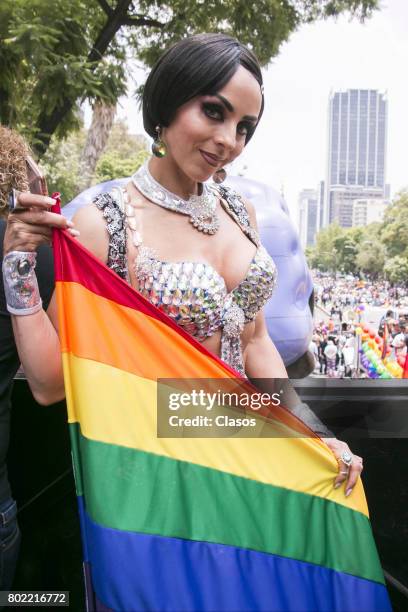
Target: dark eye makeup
x=216 y=111
x=213 y=110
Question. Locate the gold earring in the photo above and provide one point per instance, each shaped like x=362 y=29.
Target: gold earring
x=219 y=176
x=159 y=148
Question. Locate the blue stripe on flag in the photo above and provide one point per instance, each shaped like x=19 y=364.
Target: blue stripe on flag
x=150 y=573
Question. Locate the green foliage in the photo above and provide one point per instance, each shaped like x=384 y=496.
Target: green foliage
x=379 y=249
x=122 y=143
x=263 y=25
x=396 y=269
x=112 y=165
x=324 y=255
x=394 y=230
x=61 y=162
x=54 y=55
x=123 y=154
x=44 y=49
x=371 y=253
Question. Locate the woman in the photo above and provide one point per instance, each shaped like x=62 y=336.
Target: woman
x=191 y=249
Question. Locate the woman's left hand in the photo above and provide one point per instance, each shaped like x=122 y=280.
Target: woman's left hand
x=349 y=473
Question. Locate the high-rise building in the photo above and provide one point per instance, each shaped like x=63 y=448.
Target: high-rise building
x=367 y=211
x=320 y=217
x=308 y=217
x=356 y=162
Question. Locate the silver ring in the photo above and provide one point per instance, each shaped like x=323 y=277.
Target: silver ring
x=347 y=458
x=13 y=200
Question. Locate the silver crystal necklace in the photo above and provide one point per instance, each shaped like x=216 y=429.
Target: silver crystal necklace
x=200 y=208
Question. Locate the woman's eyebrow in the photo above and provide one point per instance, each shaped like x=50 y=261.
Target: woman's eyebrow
x=230 y=108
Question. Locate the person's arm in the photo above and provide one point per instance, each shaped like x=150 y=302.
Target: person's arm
x=36 y=334
x=262 y=361
x=9 y=360
x=263 y=364
x=38 y=346
x=35 y=331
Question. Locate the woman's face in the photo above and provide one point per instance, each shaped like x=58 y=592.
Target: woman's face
x=210 y=131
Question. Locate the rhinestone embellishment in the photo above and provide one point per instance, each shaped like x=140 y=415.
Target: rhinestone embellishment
x=200 y=208
x=234 y=319
x=193 y=294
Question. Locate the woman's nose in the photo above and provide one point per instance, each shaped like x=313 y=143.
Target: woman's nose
x=226 y=136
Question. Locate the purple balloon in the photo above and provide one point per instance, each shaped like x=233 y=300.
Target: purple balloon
x=287 y=313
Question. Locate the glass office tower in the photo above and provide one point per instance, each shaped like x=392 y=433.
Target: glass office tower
x=357 y=136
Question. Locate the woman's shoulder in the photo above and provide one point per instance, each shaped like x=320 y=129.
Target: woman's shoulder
x=91 y=223
x=110 y=201
x=243 y=208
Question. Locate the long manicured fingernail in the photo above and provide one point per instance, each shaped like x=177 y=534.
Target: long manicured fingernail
x=70 y=224
x=348 y=492
x=50 y=201
x=336 y=486
x=74 y=232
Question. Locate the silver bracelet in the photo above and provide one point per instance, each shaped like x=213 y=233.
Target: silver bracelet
x=20 y=283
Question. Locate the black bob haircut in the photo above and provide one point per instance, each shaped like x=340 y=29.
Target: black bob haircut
x=195 y=66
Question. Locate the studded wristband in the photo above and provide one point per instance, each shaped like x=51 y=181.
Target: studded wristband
x=20 y=283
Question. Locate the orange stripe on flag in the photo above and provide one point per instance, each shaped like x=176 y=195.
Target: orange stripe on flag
x=160 y=346
x=155 y=351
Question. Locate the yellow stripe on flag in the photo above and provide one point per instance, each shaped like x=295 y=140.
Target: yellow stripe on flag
x=118 y=407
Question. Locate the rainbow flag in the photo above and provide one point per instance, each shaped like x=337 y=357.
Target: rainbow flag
x=194 y=524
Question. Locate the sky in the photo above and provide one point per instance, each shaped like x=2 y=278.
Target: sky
x=289 y=148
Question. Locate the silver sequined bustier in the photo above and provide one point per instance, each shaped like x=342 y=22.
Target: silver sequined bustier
x=193 y=293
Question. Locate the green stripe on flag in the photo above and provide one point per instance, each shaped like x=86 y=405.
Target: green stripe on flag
x=137 y=491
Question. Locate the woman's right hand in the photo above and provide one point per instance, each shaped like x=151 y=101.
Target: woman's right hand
x=30 y=224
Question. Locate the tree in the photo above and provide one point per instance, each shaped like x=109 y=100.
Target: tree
x=371 y=258
x=348 y=250
x=112 y=166
x=394 y=229
x=124 y=153
x=393 y=234
x=396 y=269
x=324 y=256
x=346 y=247
x=53 y=55
x=102 y=121
x=61 y=162
x=378 y=249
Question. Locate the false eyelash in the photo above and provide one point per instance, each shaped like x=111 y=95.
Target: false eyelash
x=211 y=107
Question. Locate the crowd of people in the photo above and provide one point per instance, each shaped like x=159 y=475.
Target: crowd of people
x=340 y=306
x=337 y=293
